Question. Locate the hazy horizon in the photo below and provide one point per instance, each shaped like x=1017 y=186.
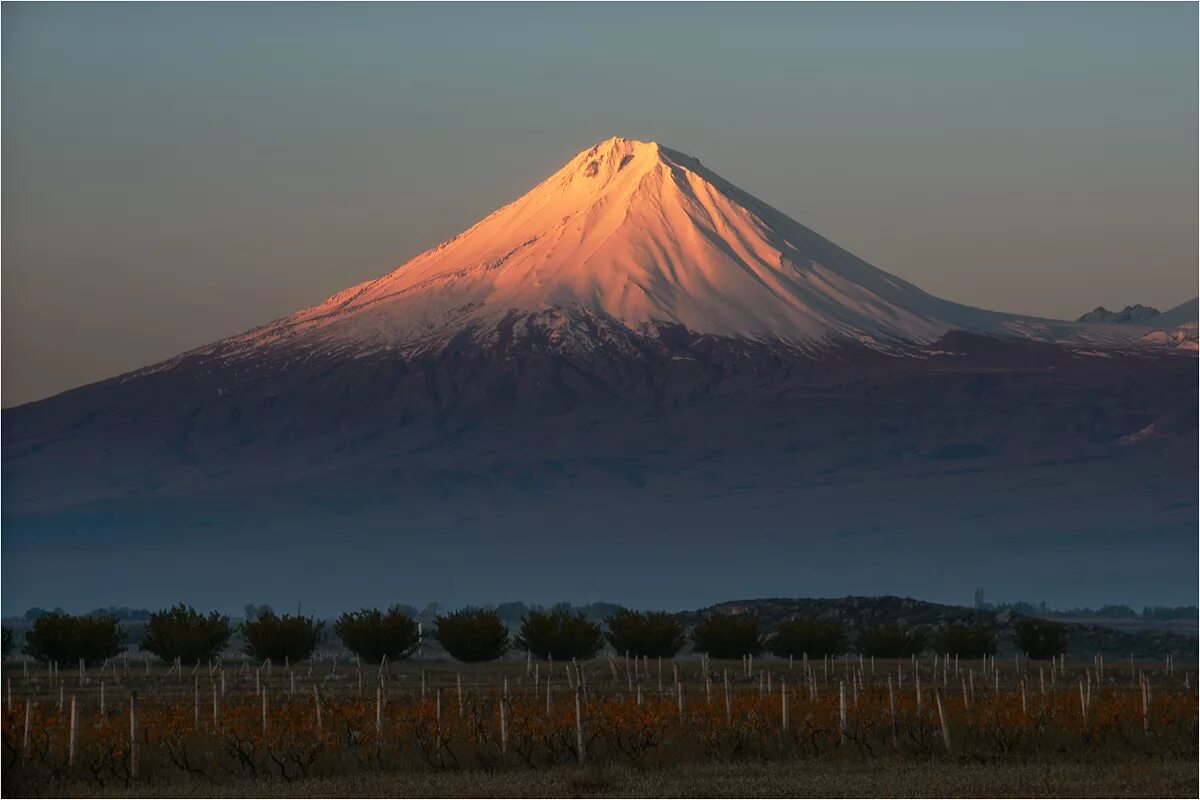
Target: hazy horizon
x=329 y=610
x=175 y=175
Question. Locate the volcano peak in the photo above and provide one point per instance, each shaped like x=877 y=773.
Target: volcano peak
x=640 y=236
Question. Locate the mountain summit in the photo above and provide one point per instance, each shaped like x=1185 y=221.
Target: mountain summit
x=634 y=234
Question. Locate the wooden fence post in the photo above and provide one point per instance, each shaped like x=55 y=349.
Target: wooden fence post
x=28 y=728
x=438 y=709
x=379 y=713
x=942 y=719
x=134 y=755
x=842 y=710
x=503 y=728
x=892 y=706
x=728 y=701
x=1145 y=704
x=579 y=741
x=783 y=706
x=73 y=746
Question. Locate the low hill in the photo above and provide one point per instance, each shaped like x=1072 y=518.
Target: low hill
x=1084 y=639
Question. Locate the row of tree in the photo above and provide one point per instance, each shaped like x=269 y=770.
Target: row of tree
x=475 y=635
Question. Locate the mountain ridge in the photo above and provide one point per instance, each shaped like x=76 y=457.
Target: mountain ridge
x=1129 y=315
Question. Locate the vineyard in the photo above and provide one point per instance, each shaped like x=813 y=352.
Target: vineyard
x=126 y=724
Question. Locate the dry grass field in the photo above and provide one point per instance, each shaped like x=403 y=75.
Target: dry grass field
x=608 y=727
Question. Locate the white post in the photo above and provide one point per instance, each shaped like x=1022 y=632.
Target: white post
x=783 y=706
x=438 y=707
x=134 y=760
x=1145 y=704
x=503 y=727
x=579 y=741
x=379 y=713
x=842 y=709
x=74 y=741
x=942 y=719
x=728 y=700
x=892 y=704
x=28 y=728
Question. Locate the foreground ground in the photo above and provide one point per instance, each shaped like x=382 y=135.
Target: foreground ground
x=694 y=728
x=883 y=778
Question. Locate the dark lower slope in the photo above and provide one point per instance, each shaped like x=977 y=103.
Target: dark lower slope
x=663 y=471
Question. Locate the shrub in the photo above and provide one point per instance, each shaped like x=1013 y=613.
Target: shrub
x=654 y=634
x=281 y=638
x=372 y=634
x=7 y=641
x=184 y=633
x=1040 y=638
x=473 y=635
x=965 y=641
x=808 y=635
x=890 y=640
x=724 y=636
x=560 y=635
x=65 y=639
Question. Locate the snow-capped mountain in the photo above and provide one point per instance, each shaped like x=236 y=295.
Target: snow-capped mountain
x=637 y=235
x=633 y=361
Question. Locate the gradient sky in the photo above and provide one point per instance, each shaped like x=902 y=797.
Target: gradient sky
x=175 y=173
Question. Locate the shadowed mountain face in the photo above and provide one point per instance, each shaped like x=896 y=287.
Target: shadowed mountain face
x=1129 y=315
x=448 y=432
x=693 y=468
